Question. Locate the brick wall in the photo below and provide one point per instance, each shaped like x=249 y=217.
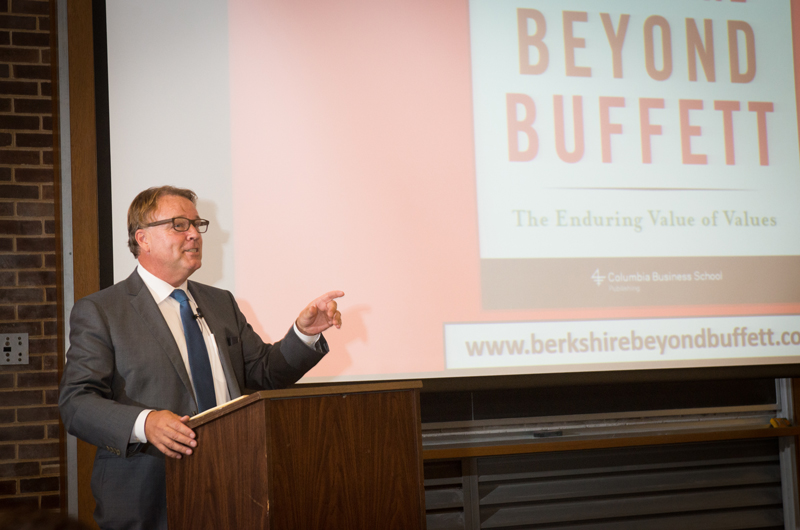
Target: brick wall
x=29 y=429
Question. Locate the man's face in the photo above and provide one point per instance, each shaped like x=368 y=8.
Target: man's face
x=168 y=254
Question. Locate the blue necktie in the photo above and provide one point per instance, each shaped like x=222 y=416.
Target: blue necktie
x=198 y=355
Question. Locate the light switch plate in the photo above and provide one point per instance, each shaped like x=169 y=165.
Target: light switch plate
x=14 y=348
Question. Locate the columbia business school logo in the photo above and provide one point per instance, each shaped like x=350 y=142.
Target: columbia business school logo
x=655 y=276
x=637 y=277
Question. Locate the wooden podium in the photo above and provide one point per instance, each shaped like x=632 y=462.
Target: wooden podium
x=338 y=457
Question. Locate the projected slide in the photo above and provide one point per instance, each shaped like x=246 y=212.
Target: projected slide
x=499 y=187
x=659 y=140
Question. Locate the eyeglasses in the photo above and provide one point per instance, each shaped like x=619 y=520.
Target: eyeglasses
x=182 y=224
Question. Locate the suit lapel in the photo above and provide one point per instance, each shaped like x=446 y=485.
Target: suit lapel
x=144 y=304
x=214 y=323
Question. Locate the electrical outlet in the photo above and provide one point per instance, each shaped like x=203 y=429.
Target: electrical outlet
x=15 y=348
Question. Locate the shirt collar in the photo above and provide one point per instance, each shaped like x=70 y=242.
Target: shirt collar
x=158 y=287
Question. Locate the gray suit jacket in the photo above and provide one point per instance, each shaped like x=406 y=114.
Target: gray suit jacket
x=123 y=359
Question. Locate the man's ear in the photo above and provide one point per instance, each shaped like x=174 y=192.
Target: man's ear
x=143 y=239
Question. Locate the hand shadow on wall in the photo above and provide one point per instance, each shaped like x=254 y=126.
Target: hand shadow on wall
x=353 y=329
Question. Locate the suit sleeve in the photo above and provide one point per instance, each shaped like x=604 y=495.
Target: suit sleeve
x=86 y=399
x=272 y=366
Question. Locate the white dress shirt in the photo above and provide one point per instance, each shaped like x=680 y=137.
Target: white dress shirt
x=170 y=309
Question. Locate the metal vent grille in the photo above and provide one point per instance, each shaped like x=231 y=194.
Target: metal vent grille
x=719 y=485
x=445 y=503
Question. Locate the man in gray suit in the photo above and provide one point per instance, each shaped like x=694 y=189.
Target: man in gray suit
x=155 y=349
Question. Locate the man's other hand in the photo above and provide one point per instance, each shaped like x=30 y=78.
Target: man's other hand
x=320 y=314
x=169 y=433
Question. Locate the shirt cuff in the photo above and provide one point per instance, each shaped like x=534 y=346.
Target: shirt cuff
x=137 y=434
x=308 y=340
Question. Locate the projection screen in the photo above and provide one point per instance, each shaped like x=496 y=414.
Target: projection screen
x=499 y=187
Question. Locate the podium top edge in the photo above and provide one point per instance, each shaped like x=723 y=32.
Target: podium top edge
x=325 y=390
x=299 y=392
